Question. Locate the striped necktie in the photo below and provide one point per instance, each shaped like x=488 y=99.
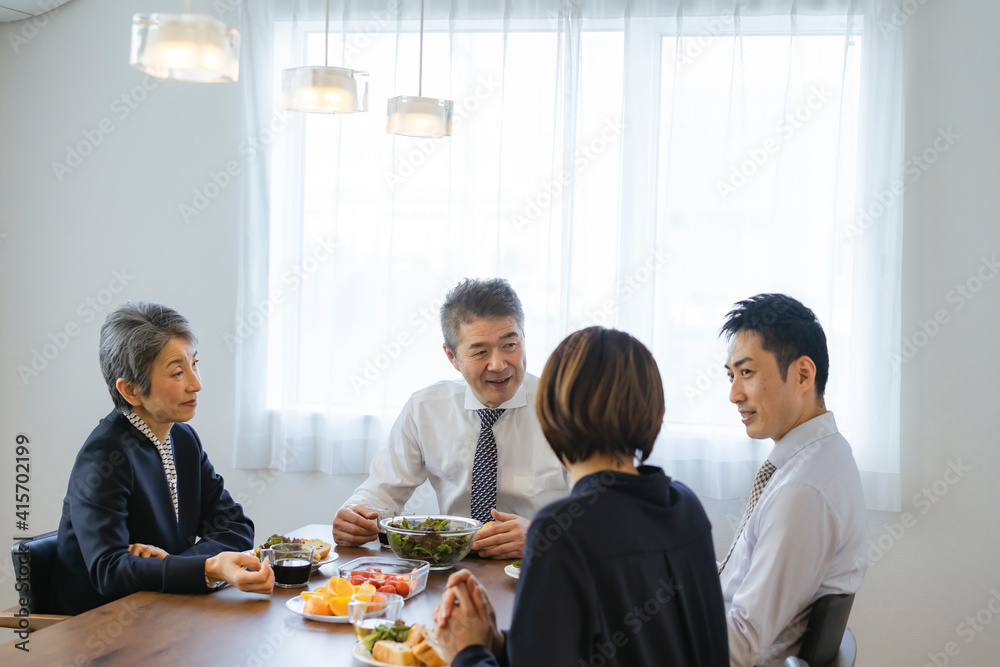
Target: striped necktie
x=759 y=482
x=484 y=467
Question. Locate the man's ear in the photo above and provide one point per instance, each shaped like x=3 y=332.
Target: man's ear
x=805 y=373
x=129 y=392
x=451 y=357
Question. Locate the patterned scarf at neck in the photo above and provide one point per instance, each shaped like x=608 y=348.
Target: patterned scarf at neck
x=166 y=454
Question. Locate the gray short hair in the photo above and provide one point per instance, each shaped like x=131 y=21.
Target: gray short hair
x=474 y=299
x=131 y=337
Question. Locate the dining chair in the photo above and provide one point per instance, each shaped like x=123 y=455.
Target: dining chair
x=825 y=642
x=35 y=558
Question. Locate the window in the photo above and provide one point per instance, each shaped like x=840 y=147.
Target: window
x=641 y=173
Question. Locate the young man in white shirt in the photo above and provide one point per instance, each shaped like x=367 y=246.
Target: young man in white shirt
x=805 y=536
x=477 y=440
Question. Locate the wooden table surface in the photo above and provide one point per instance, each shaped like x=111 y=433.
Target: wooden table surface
x=229 y=628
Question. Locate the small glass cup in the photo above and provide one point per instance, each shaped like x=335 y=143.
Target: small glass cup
x=292 y=564
x=383 y=537
x=367 y=611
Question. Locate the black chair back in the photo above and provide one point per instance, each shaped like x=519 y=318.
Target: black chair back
x=825 y=629
x=36 y=557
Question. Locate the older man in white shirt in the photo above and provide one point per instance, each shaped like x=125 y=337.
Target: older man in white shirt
x=477 y=440
x=804 y=533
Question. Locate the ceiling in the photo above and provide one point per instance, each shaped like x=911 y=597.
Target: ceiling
x=17 y=10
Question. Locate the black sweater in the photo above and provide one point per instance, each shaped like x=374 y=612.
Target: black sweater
x=622 y=572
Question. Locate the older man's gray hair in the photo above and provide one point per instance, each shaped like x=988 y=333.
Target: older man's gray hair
x=475 y=299
x=131 y=337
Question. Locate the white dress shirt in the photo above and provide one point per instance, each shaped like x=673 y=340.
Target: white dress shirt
x=805 y=539
x=435 y=438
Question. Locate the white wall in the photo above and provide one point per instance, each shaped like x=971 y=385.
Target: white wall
x=118 y=210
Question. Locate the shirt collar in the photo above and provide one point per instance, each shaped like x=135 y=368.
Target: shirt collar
x=804 y=434
x=518 y=400
x=143 y=427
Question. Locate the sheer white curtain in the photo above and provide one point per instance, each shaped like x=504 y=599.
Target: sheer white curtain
x=640 y=165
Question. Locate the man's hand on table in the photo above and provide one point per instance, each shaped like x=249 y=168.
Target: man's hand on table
x=146 y=551
x=354 y=526
x=466 y=617
x=231 y=567
x=504 y=539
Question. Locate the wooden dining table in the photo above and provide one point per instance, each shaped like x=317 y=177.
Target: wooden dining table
x=230 y=628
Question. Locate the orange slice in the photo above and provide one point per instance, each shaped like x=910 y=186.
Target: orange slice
x=318 y=607
x=365 y=588
x=338 y=605
x=340 y=588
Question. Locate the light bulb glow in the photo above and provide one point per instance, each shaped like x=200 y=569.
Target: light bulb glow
x=419 y=117
x=324 y=90
x=185 y=47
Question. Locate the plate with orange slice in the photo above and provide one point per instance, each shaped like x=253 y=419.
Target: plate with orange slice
x=327 y=603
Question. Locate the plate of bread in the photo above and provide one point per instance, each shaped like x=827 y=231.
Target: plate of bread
x=419 y=648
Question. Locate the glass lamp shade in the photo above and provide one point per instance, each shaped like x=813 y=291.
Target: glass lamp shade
x=419 y=116
x=324 y=90
x=185 y=47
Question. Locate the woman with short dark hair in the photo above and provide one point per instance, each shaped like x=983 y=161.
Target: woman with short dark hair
x=622 y=572
x=145 y=509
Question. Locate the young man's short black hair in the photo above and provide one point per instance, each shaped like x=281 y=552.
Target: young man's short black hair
x=787 y=329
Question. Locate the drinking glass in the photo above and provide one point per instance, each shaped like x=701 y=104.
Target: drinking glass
x=366 y=611
x=292 y=564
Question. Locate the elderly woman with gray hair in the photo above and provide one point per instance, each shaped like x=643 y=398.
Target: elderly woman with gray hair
x=145 y=509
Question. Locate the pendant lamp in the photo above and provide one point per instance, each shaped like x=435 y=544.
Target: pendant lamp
x=420 y=116
x=324 y=89
x=185 y=47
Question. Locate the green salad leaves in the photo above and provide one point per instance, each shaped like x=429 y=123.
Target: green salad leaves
x=394 y=633
x=435 y=547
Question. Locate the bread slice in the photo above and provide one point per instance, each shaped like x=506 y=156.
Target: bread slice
x=394 y=653
x=321 y=549
x=424 y=644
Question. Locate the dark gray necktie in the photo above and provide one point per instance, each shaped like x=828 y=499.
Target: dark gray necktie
x=763 y=476
x=484 y=467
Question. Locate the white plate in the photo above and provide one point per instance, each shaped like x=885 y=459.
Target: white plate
x=329 y=559
x=364 y=656
x=512 y=571
x=298 y=603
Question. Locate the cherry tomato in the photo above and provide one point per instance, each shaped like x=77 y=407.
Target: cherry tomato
x=387 y=588
x=357 y=580
x=402 y=588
